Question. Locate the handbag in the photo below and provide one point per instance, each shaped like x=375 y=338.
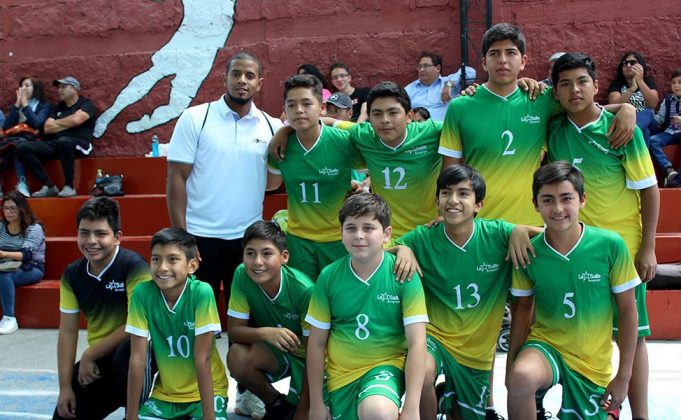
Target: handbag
x=9 y=265
x=21 y=130
x=109 y=185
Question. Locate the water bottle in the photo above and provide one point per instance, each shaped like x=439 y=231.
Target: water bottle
x=154 y=146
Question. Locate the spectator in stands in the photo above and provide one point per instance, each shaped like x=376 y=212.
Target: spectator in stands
x=99 y=284
x=32 y=109
x=339 y=106
x=548 y=81
x=22 y=244
x=69 y=132
x=341 y=78
x=432 y=90
x=669 y=120
x=420 y=114
x=632 y=85
x=314 y=71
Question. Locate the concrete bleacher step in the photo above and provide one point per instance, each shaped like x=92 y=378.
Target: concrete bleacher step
x=670 y=205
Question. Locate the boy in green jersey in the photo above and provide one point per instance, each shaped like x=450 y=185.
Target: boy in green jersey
x=466 y=278
x=317 y=177
x=372 y=326
x=501 y=131
x=579 y=273
x=403 y=158
x=622 y=185
x=177 y=314
x=276 y=297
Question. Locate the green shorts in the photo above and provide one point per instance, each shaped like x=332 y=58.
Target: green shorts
x=386 y=381
x=641 y=308
x=581 y=397
x=466 y=387
x=310 y=256
x=288 y=365
x=157 y=409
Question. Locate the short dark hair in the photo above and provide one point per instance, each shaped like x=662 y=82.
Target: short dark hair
x=676 y=73
x=435 y=58
x=178 y=237
x=304 y=81
x=101 y=208
x=556 y=172
x=454 y=174
x=389 y=90
x=338 y=65
x=265 y=231
x=364 y=204
x=423 y=112
x=243 y=55
x=313 y=70
x=38 y=89
x=502 y=32
x=571 y=61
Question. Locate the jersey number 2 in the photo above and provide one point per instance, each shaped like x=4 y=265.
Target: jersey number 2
x=509 y=137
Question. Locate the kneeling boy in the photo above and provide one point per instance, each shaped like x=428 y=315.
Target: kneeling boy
x=277 y=297
x=578 y=274
x=369 y=322
x=466 y=279
x=177 y=313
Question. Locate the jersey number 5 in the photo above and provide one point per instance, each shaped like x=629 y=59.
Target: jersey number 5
x=567 y=301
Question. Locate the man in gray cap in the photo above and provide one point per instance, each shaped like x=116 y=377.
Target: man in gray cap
x=69 y=132
x=339 y=106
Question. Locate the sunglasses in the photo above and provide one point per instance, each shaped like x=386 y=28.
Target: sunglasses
x=629 y=63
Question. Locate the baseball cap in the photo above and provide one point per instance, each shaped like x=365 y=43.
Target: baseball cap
x=341 y=100
x=68 y=80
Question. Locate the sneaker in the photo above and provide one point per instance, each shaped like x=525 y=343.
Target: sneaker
x=543 y=414
x=491 y=414
x=249 y=405
x=22 y=187
x=67 y=192
x=669 y=175
x=440 y=397
x=8 y=325
x=46 y=191
x=280 y=409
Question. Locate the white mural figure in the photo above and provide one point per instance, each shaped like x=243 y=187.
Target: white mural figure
x=189 y=56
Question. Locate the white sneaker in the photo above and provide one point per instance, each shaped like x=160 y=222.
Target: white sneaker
x=22 y=187
x=8 y=325
x=249 y=405
x=67 y=192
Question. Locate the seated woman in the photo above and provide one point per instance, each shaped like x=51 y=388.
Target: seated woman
x=22 y=240
x=31 y=108
x=632 y=85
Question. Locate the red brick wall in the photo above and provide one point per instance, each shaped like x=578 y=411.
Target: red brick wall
x=104 y=43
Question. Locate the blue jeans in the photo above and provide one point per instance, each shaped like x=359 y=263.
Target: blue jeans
x=657 y=144
x=644 y=119
x=10 y=280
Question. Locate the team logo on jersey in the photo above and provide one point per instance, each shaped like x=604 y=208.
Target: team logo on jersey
x=599 y=147
x=151 y=405
x=487 y=268
x=291 y=315
x=419 y=150
x=189 y=324
x=387 y=297
x=589 y=277
x=115 y=286
x=329 y=171
x=259 y=141
x=530 y=119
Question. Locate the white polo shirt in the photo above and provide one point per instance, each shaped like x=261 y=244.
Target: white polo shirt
x=226 y=187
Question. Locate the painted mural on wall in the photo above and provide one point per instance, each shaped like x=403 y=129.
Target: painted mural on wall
x=188 y=56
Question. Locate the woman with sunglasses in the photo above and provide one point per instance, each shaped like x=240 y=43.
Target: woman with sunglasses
x=632 y=85
x=22 y=241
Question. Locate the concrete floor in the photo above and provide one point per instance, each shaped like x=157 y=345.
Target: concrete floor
x=29 y=387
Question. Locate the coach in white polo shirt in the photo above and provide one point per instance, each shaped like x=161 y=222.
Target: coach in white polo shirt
x=217 y=170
